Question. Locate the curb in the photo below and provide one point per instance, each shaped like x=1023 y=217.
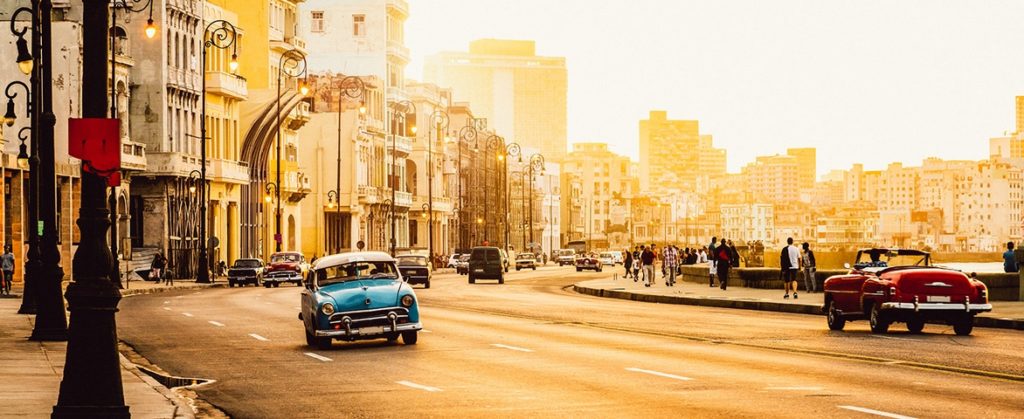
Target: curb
x=979 y=321
x=702 y=301
x=144 y=291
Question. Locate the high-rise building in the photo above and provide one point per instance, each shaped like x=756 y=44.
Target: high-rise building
x=673 y=154
x=605 y=183
x=806 y=162
x=522 y=95
x=773 y=179
x=1020 y=115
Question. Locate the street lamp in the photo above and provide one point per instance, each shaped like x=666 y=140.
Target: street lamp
x=351 y=87
x=332 y=197
x=493 y=142
x=294 y=60
x=388 y=207
x=466 y=134
x=401 y=109
x=536 y=163
x=439 y=120
x=512 y=149
x=32 y=259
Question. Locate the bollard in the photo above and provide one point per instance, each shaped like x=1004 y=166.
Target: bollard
x=615 y=276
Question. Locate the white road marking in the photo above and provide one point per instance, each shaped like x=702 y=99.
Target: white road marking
x=186 y=314
x=425 y=331
x=794 y=388
x=660 y=374
x=167 y=302
x=218 y=324
x=259 y=338
x=419 y=386
x=318 y=357
x=875 y=412
x=167 y=308
x=514 y=348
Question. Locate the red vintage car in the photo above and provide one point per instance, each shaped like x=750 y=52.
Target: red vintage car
x=588 y=261
x=285 y=267
x=898 y=285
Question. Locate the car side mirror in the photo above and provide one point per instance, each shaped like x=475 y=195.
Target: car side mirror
x=846 y=265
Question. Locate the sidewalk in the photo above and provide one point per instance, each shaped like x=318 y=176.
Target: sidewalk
x=32 y=371
x=1005 y=314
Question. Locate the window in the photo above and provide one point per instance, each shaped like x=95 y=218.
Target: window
x=318 y=22
x=359 y=25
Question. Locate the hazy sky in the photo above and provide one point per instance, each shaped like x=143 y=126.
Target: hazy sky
x=863 y=81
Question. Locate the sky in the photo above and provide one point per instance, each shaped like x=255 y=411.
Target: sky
x=867 y=81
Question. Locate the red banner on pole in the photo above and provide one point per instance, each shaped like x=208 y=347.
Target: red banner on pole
x=97 y=142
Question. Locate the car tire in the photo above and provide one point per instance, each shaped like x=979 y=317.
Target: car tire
x=266 y=285
x=834 y=319
x=310 y=339
x=915 y=326
x=472 y=280
x=535 y=268
x=517 y=269
x=879 y=324
x=392 y=337
x=231 y=284
x=579 y=269
x=501 y=279
x=277 y=284
x=427 y=285
x=324 y=343
x=963 y=327
x=410 y=337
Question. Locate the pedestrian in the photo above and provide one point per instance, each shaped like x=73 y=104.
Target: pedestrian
x=7 y=266
x=810 y=267
x=670 y=264
x=712 y=262
x=723 y=263
x=1009 y=262
x=789 y=264
x=734 y=255
x=647 y=261
x=157 y=269
x=628 y=263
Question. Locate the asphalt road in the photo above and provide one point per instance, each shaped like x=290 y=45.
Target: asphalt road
x=531 y=348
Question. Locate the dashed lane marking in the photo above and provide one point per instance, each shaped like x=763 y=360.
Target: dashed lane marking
x=419 y=386
x=186 y=314
x=318 y=357
x=875 y=412
x=167 y=302
x=167 y=308
x=794 y=388
x=513 y=348
x=660 y=374
x=259 y=338
x=218 y=324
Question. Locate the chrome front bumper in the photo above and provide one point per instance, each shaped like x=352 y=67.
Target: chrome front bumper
x=282 y=277
x=950 y=307
x=369 y=331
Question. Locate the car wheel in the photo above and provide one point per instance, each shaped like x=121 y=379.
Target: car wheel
x=878 y=322
x=517 y=269
x=579 y=269
x=310 y=339
x=324 y=343
x=835 y=319
x=277 y=284
x=501 y=279
x=963 y=327
x=266 y=285
x=472 y=280
x=392 y=337
x=535 y=268
x=231 y=284
x=427 y=285
x=410 y=337
x=915 y=325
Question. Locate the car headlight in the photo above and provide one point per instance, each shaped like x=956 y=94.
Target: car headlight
x=407 y=301
x=327 y=309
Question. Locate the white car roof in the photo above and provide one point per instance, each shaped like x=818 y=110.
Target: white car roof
x=343 y=258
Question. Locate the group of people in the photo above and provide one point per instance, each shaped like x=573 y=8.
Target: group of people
x=720 y=256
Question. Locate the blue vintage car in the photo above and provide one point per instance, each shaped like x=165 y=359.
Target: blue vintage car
x=356 y=296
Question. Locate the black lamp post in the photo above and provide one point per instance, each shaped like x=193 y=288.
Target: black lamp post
x=466 y=134
x=294 y=60
x=536 y=164
x=439 y=119
x=28 y=299
x=512 y=149
x=219 y=34
x=388 y=207
x=496 y=143
x=91 y=385
x=455 y=217
x=351 y=87
x=401 y=110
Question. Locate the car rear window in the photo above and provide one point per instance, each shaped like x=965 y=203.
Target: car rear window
x=485 y=254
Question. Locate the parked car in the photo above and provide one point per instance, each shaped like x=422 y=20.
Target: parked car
x=462 y=265
x=245 y=271
x=356 y=296
x=566 y=257
x=453 y=260
x=285 y=267
x=886 y=286
x=606 y=258
x=526 y=261
x=617 y=257
x=485 y=263
x=588 y=261
x=415 y=269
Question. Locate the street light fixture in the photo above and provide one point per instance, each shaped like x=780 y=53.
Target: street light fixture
x=439 y=120
x=351 y=87
x=23 y=159
x=271 y=189
x=332 y=197
x=536 y=164
x=296 y=61
x=24 y=59
x=466 y=134
x=405 y=107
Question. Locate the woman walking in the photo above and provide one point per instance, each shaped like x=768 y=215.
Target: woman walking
x=628 y=263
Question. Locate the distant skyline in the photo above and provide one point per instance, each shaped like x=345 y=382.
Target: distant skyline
x=865 y=82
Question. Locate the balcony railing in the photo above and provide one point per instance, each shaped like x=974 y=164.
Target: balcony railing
x=398 y=50
x=133 y=155
x=227 y=84
x=403 y=145
x=187 y=79
x=403 y=199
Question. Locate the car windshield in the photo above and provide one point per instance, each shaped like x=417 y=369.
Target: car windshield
x=284 y=257
x=464 y=258
x=525 y=256
x=354 y=271
x=884 y=260
x=247 y=263
x=412 y=261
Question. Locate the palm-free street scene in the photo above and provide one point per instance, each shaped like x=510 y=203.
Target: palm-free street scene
x=504 y=209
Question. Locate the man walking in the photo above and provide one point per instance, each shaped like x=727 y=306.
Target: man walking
x=670 y=264
x=647 y=262
x=789 y=262
x=7 y=266
x=628 y=262
x=723 y=262
x=712 y=262
x=809 y=264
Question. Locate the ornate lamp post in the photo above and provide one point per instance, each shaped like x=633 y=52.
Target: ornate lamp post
x=293 y=64
x=388 y=207
x=466 y=134
x=28 y=299
x=353 y=88
x=512 y=149
x=536 y=164
x=496 y=143
x=400 y=110
x=439 y=120
x=455 y=217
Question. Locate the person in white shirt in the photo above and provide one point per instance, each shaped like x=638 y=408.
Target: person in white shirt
x=790 y=264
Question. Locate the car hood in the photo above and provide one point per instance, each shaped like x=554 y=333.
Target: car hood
x=353 y=295
x=284 y=265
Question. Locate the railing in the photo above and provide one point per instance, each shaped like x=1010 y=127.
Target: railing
x=396 y=49
x=227 y=84
x=133 y=156
x=403 y=144
x=403 y=199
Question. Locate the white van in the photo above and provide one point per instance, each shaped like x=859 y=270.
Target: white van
x=606 y=258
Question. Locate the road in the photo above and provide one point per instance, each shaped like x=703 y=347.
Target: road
x=531 y=348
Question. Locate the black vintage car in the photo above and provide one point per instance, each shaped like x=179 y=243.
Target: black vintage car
x=415 y=269
x=245 y=271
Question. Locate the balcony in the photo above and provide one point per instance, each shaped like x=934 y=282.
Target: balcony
x=403 y=199
x=368 y=194
x=227 y=84
x=133 y=156
x=183 y=79
x=402 y=145
x=399 y=51
x=170 y=164
x=299 y=116
x=228 y=171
